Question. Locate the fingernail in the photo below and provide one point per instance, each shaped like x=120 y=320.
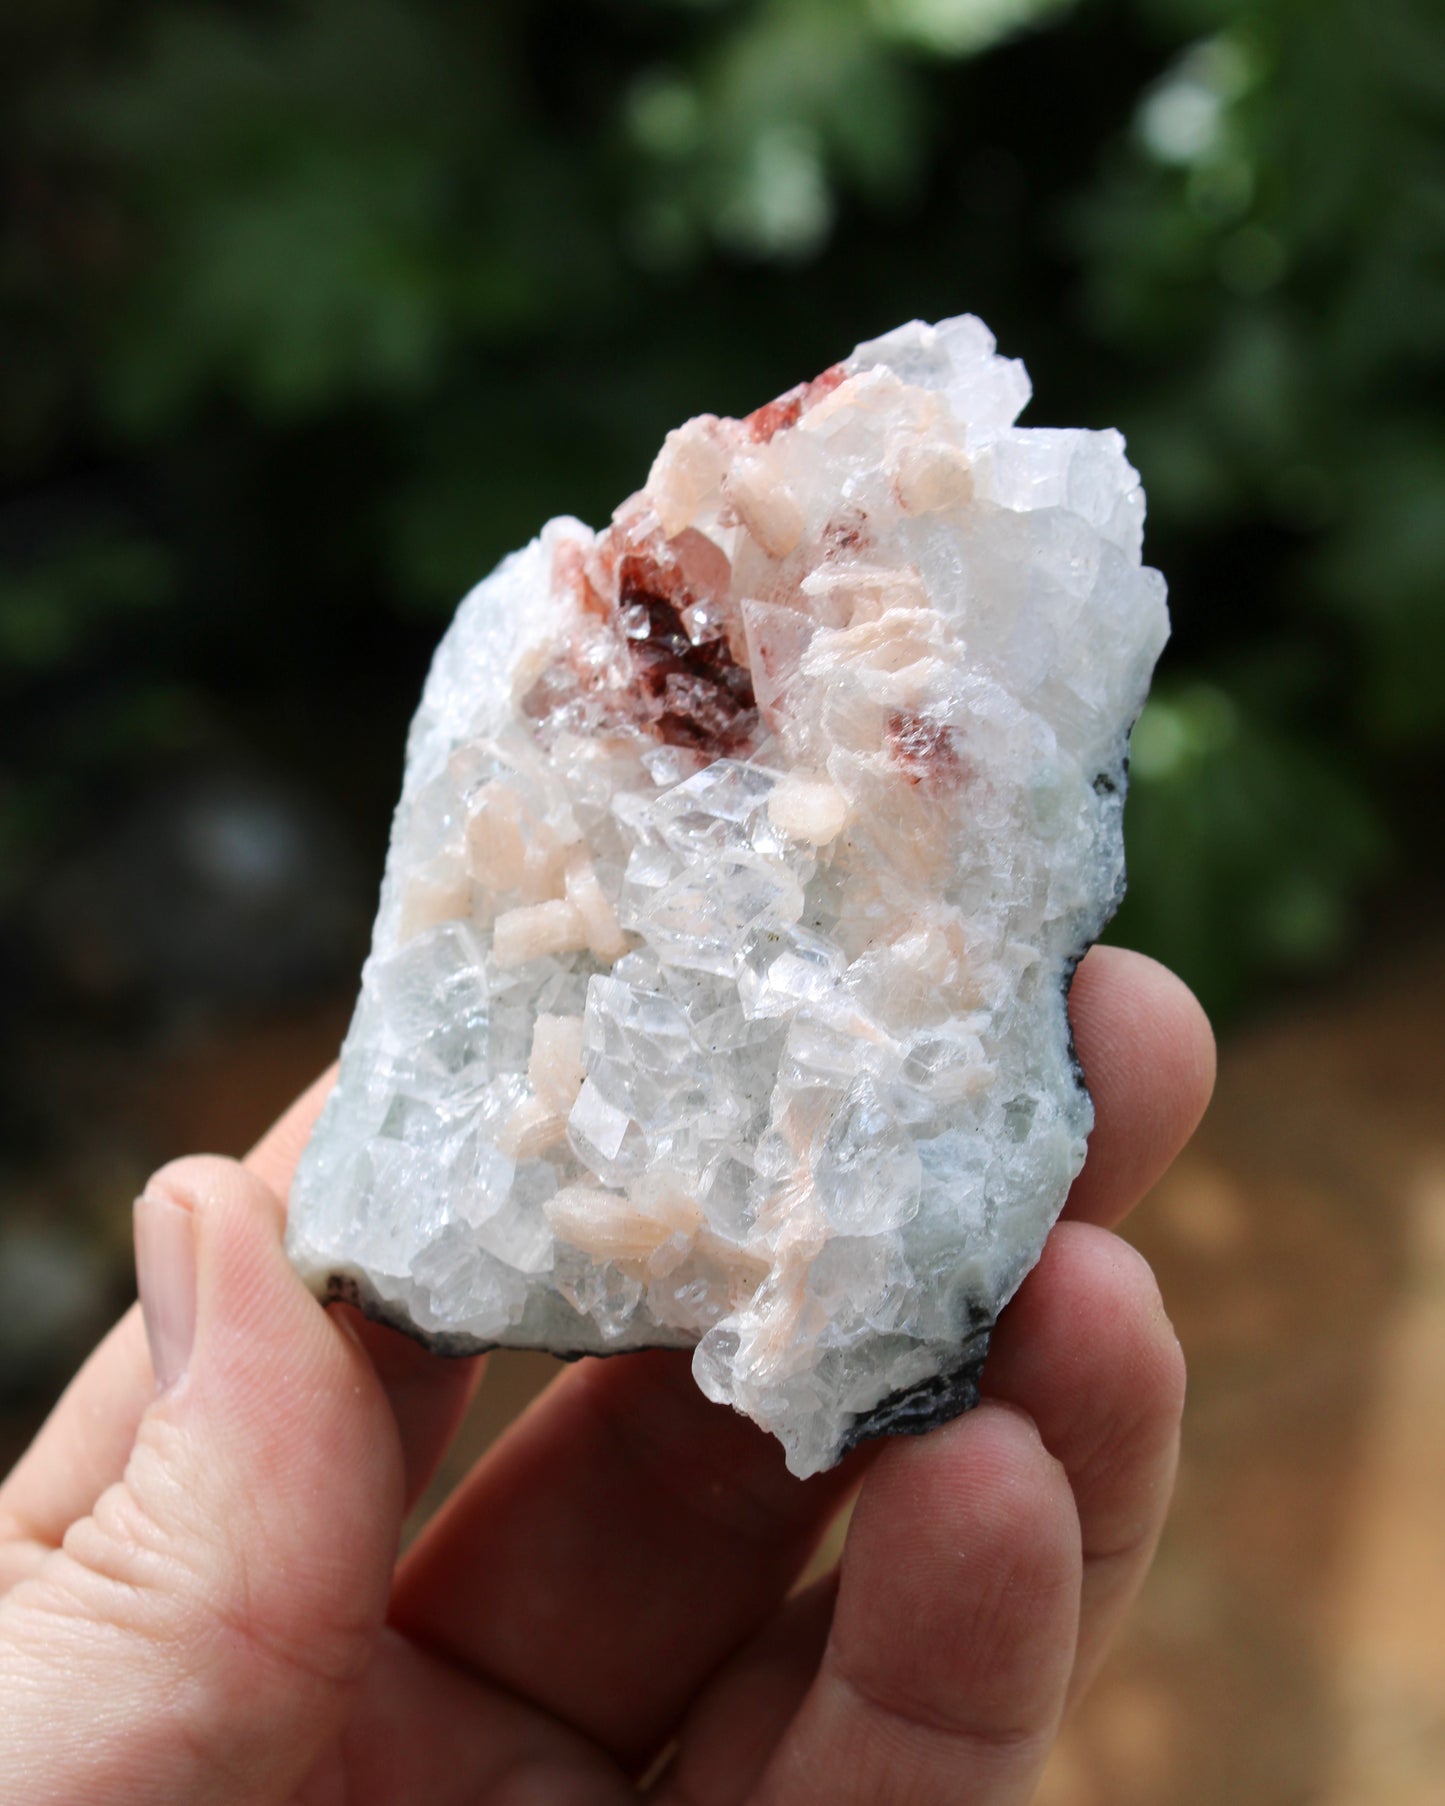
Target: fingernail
x=165 y=1266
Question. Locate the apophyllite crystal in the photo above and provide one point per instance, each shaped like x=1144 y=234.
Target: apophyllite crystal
x=745 y=852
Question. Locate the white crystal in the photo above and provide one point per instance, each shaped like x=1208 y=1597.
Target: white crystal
x=745 y=850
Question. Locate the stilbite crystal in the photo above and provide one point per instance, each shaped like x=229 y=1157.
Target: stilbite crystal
x=745 y=852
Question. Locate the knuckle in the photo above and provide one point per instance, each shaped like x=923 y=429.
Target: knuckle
x=190 y=1179
x=153 y=1564
x=1158 y=1363
x=898 y=1718
x=1147 y=1349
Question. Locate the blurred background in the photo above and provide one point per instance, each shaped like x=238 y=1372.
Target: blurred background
x=314 y=308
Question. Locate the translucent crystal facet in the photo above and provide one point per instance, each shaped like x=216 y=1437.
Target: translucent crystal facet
x=745 y=852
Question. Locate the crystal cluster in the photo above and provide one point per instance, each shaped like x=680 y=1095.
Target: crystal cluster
x=745 y=853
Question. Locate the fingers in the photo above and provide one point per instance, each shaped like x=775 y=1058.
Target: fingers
x=421 y=1734
x=618 y=1544
x=637 y=1475
x=1087 y=1350
x=729 y=1736
x=1148 y=1055
x=199 y=1634
x=944 y=1674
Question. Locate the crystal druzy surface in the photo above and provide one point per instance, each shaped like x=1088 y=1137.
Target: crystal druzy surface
x=746 y=849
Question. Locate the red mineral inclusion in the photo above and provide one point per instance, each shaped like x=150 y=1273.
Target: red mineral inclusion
x=668 y=600
x=667 y=603
x=774 y=416
x=849 y=533
x=925 y=751
x=671 y=596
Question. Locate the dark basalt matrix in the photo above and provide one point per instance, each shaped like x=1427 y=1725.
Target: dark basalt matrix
x=745 y=852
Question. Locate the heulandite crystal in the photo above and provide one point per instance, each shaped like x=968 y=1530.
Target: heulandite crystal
x=745 y=852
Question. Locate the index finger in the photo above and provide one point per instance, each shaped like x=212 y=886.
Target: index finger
x=945 y=1670
x=1147 y=1051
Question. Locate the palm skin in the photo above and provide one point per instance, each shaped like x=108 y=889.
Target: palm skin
x=200 y=1599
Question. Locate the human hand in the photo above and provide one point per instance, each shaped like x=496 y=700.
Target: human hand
x=199 y=1601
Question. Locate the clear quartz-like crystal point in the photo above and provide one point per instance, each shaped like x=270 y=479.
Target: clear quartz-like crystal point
x=744 y=855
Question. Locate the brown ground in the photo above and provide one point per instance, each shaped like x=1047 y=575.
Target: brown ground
x=1289 y=1649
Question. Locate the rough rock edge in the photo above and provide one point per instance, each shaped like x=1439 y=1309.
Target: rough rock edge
x=912 y=1411
x=353 y=1289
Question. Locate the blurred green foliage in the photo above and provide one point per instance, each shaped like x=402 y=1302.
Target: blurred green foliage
x=315 y=307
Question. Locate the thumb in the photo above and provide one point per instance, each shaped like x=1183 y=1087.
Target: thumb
x=198 y=1637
